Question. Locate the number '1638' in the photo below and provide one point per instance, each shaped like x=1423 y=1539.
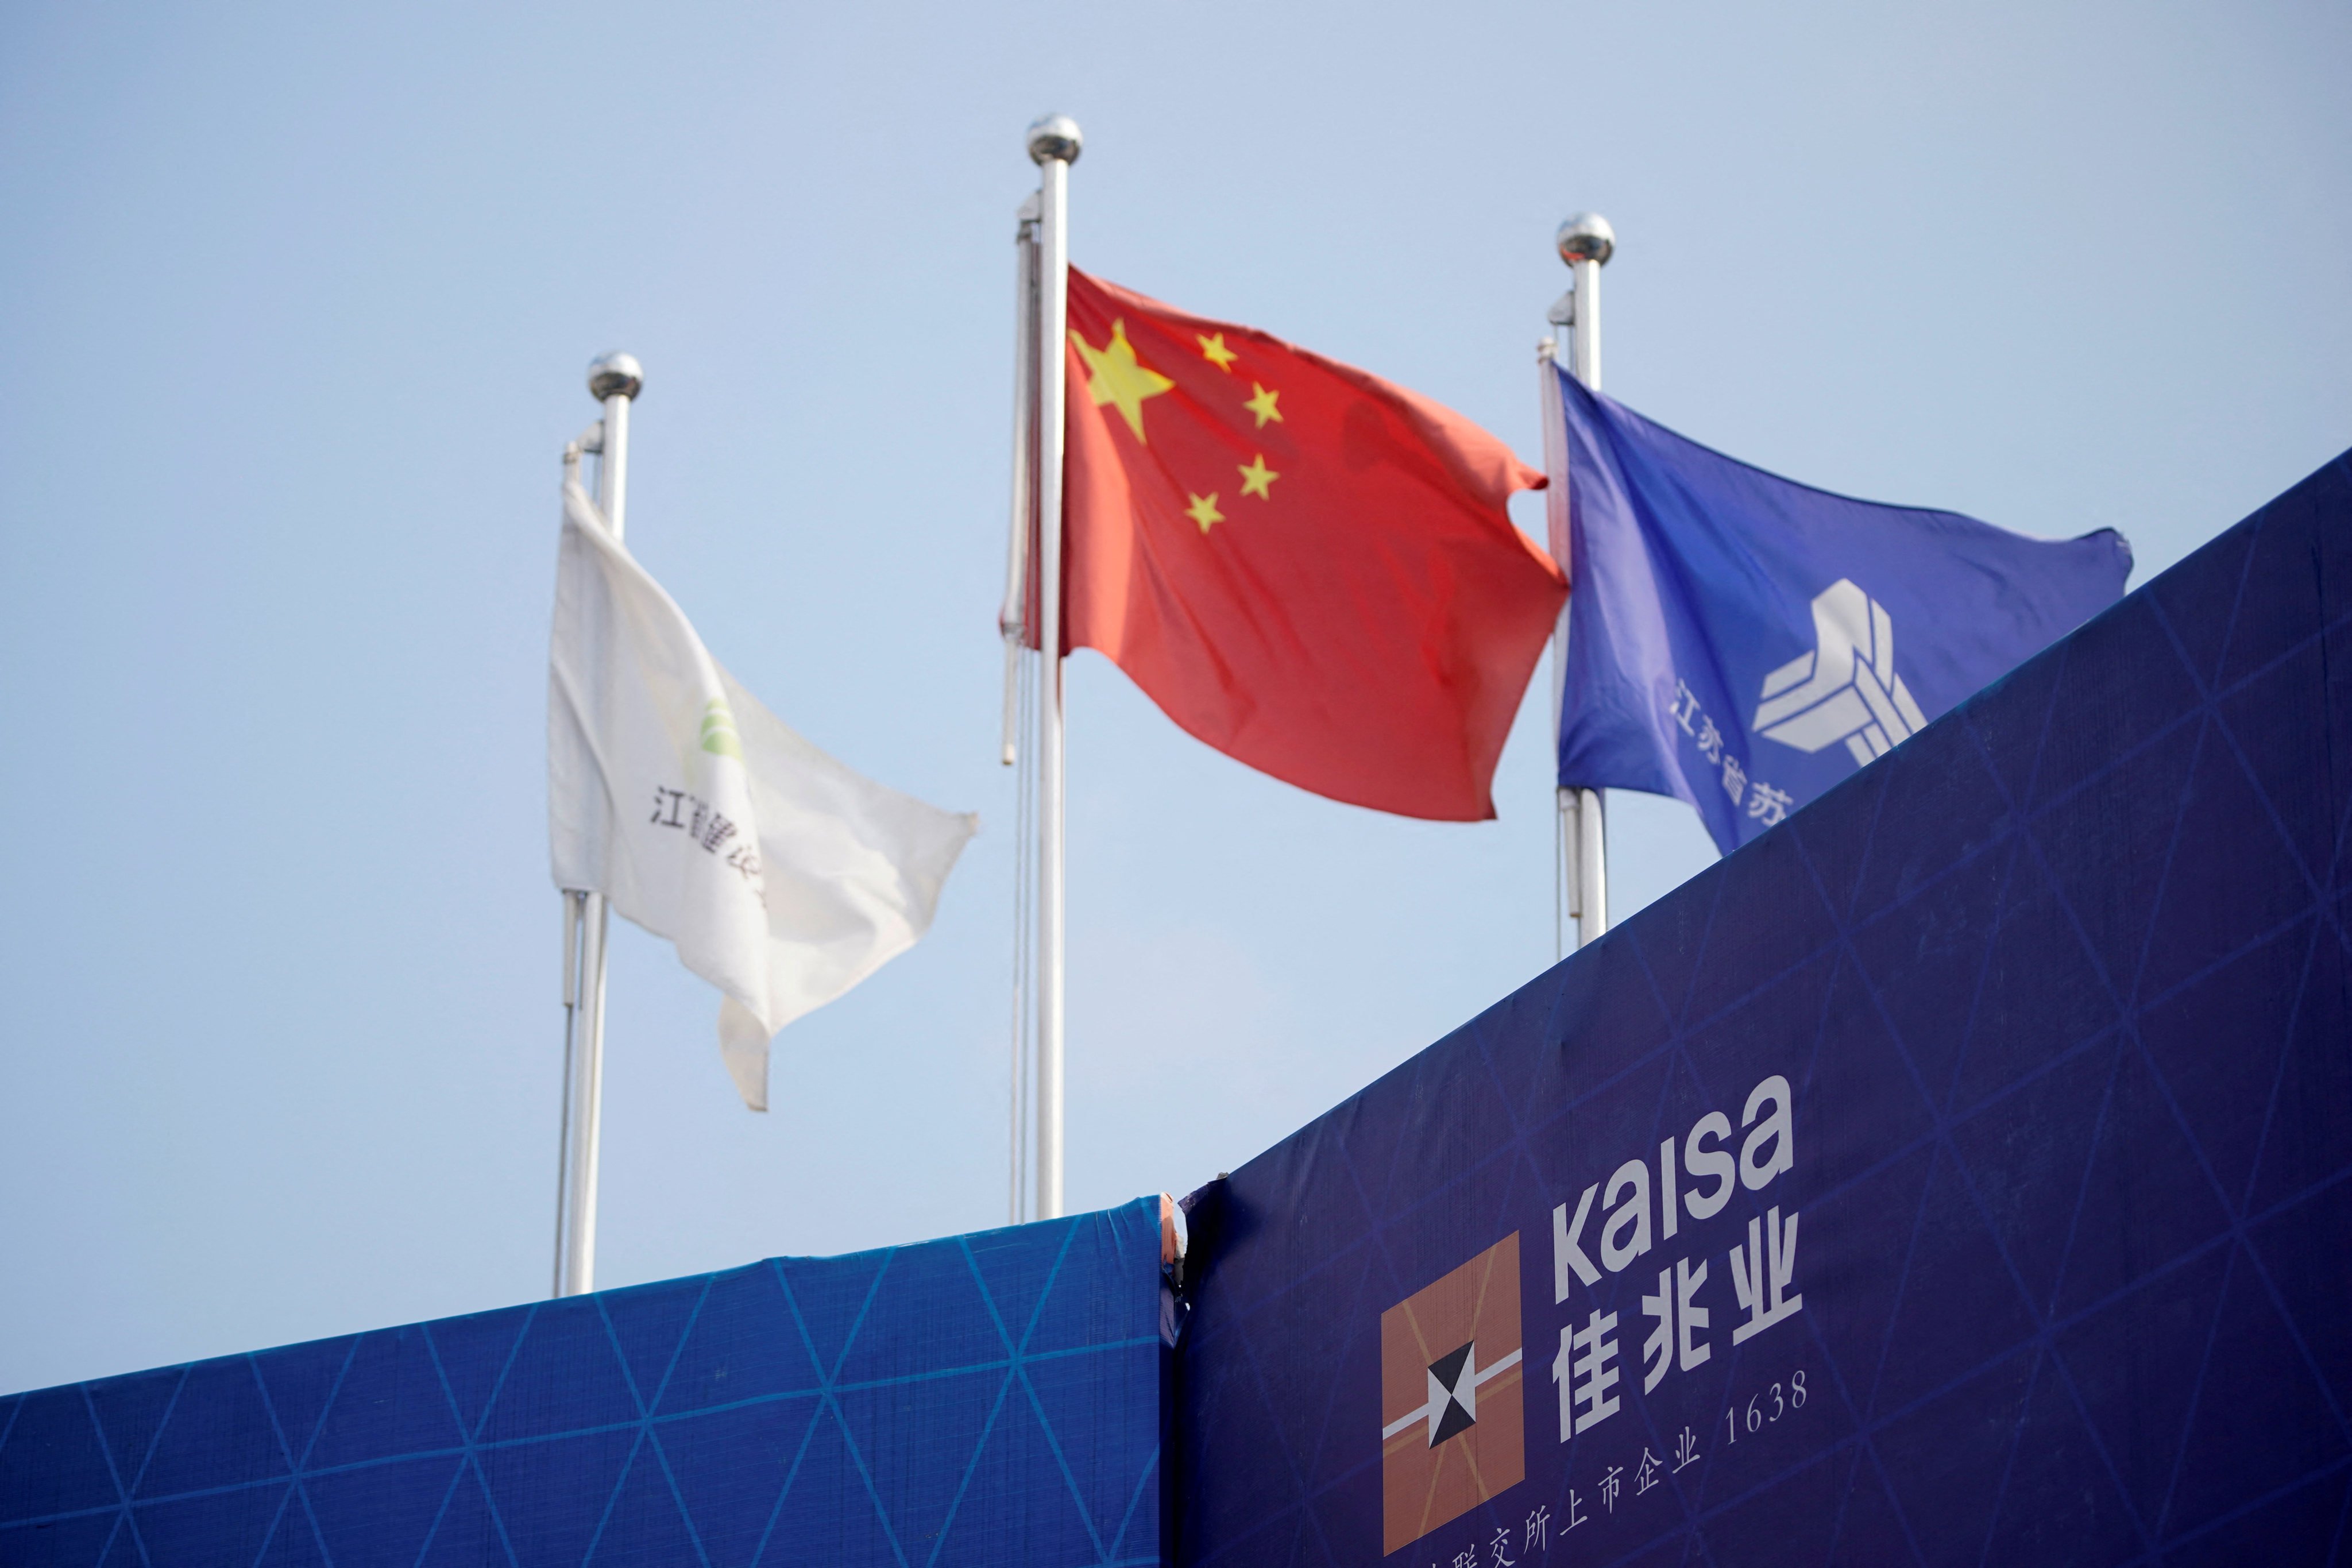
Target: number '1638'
x=1765 y=1406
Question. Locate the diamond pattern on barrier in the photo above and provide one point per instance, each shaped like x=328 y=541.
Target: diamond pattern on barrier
x=758 y=1414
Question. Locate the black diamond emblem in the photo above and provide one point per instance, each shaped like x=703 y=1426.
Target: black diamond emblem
x=1451 y=1373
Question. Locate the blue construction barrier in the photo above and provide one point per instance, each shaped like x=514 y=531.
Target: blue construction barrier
x=1961 y=1171
x=993 y=1398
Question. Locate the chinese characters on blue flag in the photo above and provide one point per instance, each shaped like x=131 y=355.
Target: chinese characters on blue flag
x=1743 y=642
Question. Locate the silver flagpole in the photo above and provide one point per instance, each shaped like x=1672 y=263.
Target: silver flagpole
x=1053 y=144
x=1012 y=619
x=1020 y=693
x=1585 y=242
x=1556 y=529
x=614 y=380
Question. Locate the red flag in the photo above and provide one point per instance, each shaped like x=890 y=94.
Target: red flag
x=1303 y=565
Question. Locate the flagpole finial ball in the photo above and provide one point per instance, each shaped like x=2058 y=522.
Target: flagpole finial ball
x=1587 y=236
x=1057 y=137
x=615 y=375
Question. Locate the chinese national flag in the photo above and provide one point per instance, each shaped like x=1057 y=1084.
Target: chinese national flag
x=1305 y=567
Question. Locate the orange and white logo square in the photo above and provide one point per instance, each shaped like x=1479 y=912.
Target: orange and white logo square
x=1452 y=1413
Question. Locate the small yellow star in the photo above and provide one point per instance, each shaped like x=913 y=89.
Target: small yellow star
x=1257 y=480
x=1118 y=377
x=1262 y=405
x=1203 y=511
x=1213 y=349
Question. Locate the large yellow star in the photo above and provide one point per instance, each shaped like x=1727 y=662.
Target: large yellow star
x=1203 y=511
x=1257 y=480
x=1213 y=349
x=1115 y=377
x=1262 y=405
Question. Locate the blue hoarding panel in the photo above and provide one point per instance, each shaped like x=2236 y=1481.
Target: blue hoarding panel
x=1960 y=1171
x=993 y=1398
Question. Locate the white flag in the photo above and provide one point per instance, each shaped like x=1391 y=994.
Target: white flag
x=782 y=878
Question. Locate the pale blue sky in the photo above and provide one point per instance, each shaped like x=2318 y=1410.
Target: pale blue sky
x=296 y=303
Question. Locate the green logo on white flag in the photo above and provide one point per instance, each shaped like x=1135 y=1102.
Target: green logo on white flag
x=719 y=736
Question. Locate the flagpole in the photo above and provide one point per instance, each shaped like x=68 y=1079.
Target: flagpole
x=614 y=380
x=1556 y=530
x=1012 y=619
x=1585 y=243
x=1054 y=145
x=1020 y=685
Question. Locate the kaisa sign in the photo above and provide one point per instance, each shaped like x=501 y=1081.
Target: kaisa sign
x=1452 y=1414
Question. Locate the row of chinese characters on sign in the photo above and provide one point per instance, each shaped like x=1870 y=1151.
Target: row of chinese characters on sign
x=1541 y=1526
x=1766 y=1406
x=1761 y=1272
x=1537 y=1541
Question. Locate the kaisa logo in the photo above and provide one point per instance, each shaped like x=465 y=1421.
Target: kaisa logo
x=1846 y=689
x=1453 y=1418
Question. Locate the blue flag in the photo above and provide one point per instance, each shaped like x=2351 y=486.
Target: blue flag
x=1743 y=643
